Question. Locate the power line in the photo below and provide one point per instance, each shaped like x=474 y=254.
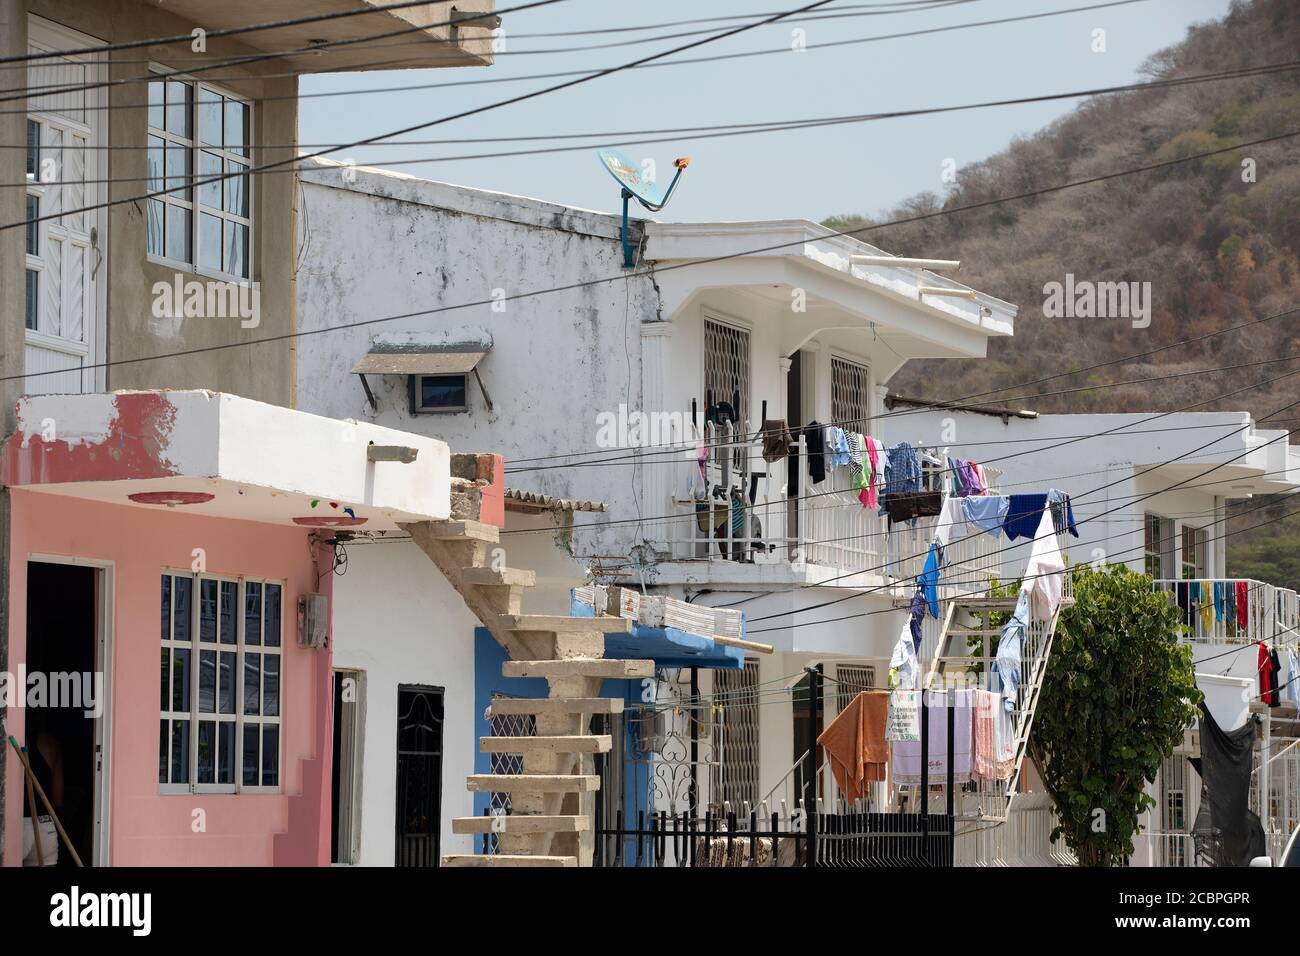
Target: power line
x=696 y=132
x=635 y=273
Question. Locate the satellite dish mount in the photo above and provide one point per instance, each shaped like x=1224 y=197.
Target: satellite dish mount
x=636 y=186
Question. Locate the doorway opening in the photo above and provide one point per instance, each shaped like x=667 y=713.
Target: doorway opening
x=349 y=708
x=63 y=731
x=419 y=774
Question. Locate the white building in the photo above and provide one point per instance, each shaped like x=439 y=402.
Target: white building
x=1152 y=492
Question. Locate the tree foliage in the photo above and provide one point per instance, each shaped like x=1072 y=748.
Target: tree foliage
x=1118 y=692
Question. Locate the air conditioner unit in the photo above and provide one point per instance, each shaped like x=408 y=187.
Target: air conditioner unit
x=313 y=620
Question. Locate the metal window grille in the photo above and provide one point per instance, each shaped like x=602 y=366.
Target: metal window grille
x=726 y=364
x=735 y=734
x=850 y=394
x=506 y=725
x=853 y=679
x=1174 y=809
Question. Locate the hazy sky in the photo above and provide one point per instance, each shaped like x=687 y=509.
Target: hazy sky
x=814 y=173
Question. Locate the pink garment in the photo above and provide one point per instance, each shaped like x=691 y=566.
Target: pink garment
x=983 y=478
x=868 y=496
x=994 y=747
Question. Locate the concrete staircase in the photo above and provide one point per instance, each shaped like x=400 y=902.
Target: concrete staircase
x=553 y=799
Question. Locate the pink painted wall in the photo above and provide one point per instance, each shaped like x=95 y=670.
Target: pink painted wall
x=148 y=828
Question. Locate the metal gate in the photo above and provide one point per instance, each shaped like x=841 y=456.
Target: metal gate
x=419 y=774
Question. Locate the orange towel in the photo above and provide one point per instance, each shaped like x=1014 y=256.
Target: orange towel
x=855 y=743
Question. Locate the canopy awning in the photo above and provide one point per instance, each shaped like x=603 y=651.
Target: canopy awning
x=437 y=361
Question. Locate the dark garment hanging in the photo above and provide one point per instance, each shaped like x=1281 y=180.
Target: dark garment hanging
x=1268 y=670
x=815 y=441
x=1024 y=512
x=904 y=505
x=1184 y=591
x=776 y=439
x=1226 y=832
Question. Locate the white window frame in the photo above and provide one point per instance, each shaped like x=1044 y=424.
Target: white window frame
x=240 y=648
x=196 y=147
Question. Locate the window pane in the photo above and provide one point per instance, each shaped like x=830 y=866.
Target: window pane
x=273 y=615
x=154 y=163
x=236 y=258
x=33 y=299
x=178 y=108
x=236 y=127
x=181 y=609
x=156 y=104
x=180 y=751
x=178 y=233
x=181 y=680
x=226 y=682
x=229 y=625
x=154 y=242
x=271 y=685
x=163 y=743
x=166 y=607
x=270 y=755
x=210 y=108
x=207 y=681
x=33 y=148
x=249 y=759
x=209 y=241
x=178 y=170
x=226 y=752
x=210 y=193
x=252 y=613
x=208 y=611
x=252 y=683
x=164 y=680
x=237 y=190
x=33 y=212
x=207 y=754
x=442 y=391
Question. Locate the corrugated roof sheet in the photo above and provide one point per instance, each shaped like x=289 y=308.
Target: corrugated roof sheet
x=535 y=502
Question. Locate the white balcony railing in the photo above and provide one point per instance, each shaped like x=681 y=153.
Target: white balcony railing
x=1270 y=612
x=741 y=509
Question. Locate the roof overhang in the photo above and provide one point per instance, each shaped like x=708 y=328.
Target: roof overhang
x=217 y=455
x=406 y=38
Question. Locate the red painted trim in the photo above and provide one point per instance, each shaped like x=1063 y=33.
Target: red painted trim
x=171 y=497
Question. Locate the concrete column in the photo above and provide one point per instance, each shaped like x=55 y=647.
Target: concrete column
x=656 y=478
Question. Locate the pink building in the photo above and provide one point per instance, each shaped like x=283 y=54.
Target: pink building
x=171 y=551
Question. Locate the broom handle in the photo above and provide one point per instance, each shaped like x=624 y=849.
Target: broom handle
x=40 y=792
x=36 y=825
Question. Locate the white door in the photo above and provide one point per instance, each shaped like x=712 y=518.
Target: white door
x=64 y=313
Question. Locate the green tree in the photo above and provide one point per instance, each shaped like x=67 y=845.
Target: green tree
x=1118 y=691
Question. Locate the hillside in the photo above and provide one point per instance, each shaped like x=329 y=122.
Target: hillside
x=1216 y=248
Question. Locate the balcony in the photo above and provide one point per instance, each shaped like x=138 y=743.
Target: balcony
x=741 y=510
x=1271 y=612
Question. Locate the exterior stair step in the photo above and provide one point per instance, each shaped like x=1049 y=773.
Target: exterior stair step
x=519 y=823
x=551 y=623
x=477 y=530
x=507 y=860
x=533 y=783
x=499 y=576
x=556 y=705
x=560 y=744
x=604 y=667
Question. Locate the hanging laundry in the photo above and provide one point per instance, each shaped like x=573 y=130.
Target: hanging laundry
x=1007 y=663
x=929 y=580
x=837 y=446
x=873 y=450
x=855 y=743
x=916 y=614
x=1024 y=513
x=1207 y=608
x=1290 y=690
x=960 y=486
x=906 y=754
x=1266 y=676
x=904 y=721
x=1062 y=512
x=902 y=471
x=1045 y=573
x=987 y=513
x=952 y=522
x=981 y=479
x=1243 y=604
x=905 y=505
x=815 y=443
x=1220 y=599
x=776 y=439
x=904 y=670
x=995 y=743
x=857 y=477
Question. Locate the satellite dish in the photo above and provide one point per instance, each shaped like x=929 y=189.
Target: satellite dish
x=636 y=186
